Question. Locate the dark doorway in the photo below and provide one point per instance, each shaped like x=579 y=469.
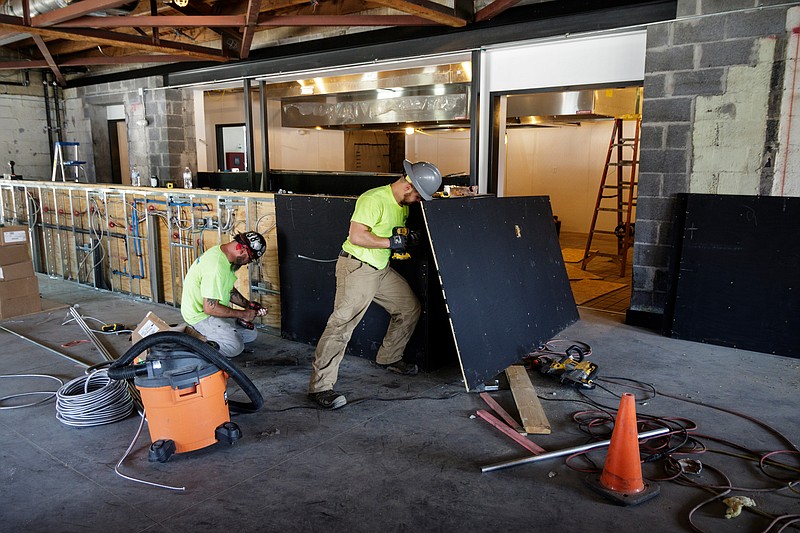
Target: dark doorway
x=118 y=144
x=231 y=152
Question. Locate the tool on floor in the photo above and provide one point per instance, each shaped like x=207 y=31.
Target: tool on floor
x=113 y=328
x=572 y=368
x=242 y=323
x=183 y=385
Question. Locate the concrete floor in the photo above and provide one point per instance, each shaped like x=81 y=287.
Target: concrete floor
x=404 y=455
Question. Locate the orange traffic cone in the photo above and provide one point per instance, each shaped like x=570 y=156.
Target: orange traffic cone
x=621 y=480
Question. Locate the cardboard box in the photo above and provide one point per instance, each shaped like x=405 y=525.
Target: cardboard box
x=14 y=253
x=13 y=235
x=19 y=287
x=16 y=271
x=20 y=306
x=152 y=324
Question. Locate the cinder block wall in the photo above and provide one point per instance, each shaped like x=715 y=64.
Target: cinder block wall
x=160 y=127
x=713 y=108
x=23 y=127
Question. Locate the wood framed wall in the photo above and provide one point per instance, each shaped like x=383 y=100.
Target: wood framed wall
x=141 y=241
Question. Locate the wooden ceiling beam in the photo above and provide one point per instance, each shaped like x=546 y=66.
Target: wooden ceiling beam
x=49 y=59
x=108 y=38
x=131 y=59
x=74 y=10
x=231 y=40
x=495 y=8
x=425 y=9
x=23 y=65
x=160 y=21
x=251 y=19
x=345 y=20
x=275 y=5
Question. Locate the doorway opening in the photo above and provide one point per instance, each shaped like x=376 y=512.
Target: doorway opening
x=557 y=143
x=118 y=144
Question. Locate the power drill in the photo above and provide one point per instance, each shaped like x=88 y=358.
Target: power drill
x=242 y=323
x=401 y=254
x=571 y=368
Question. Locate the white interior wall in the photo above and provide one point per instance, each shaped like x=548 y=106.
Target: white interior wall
x=566 y=61
x=564 y=163
x=221 y=107
x=302 y=149
x=448 y=150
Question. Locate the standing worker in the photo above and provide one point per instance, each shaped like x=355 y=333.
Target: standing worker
x=363 y=275
x=208 y=292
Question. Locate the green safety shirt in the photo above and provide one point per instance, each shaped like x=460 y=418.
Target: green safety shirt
x=378 y=210
x=210 y=276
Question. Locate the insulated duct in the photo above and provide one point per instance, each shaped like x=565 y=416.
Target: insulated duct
x=38 y=7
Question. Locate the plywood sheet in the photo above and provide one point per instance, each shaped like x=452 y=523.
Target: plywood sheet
x=503 y=278
x=311 y=230
x=739 y=273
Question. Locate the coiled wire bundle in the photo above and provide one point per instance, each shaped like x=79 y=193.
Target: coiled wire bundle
x=93 y=400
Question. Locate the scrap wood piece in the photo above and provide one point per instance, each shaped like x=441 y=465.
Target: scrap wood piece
x=503 y=413
x=527 y=444
x=530 y=410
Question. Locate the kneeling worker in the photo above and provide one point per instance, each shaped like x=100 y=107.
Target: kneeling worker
x=363 y=275
x=208 y=292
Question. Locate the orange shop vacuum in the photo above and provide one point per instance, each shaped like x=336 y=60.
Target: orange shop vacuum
x=183 y=386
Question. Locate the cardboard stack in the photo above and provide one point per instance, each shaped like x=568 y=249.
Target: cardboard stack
x=19 y=288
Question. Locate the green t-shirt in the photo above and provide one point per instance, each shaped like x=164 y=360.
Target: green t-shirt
x=210 y=276
x=378 y=210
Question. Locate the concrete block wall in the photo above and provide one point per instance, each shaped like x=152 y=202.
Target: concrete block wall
x=714 y=82
x=23 y=127
x=160 y=126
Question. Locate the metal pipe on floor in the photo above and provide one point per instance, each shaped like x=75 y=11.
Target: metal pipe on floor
x=567 y=451
x=51 y=350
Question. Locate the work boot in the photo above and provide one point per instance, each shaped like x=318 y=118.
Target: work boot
x=401 y=367
x=328 y=399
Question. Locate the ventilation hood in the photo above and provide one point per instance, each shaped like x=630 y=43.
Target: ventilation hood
x=380 y=108
x=573 y=107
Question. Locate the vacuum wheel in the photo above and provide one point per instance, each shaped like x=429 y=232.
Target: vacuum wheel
x=161 y=450
x=228 y=433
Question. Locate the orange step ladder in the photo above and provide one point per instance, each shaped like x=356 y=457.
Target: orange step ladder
x=617 y=194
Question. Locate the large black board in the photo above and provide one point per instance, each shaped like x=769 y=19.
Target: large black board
x=738 y=281
x=503 y=277
x=311 y=230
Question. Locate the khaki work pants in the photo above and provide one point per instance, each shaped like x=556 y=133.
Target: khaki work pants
x=357 y=285
x=224 y=331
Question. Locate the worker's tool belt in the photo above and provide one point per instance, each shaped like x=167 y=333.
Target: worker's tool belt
x=351 y=256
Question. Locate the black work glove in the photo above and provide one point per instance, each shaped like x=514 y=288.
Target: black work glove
x=413 y=238
x=397 y=242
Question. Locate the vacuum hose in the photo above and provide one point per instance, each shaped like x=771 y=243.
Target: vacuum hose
x=118 y=369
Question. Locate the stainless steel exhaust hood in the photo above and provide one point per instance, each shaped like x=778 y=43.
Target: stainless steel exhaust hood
x=380 y=108
x=571 y=107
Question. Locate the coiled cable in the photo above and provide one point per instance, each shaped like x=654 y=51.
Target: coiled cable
x=93 y=400
x=48 y=394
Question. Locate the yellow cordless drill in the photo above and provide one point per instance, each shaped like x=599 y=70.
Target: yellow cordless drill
x=398 y=242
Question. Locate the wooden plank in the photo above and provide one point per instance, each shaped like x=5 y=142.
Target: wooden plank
x=530 y=410
x=502 y=412
x=519 y=439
